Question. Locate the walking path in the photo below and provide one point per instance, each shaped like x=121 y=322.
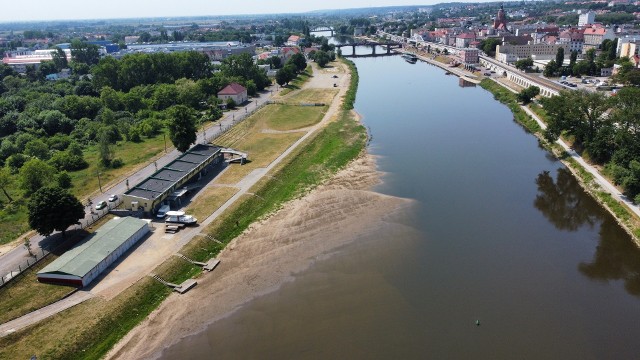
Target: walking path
x=43 y=313
x=604 y=183
x=318 y=81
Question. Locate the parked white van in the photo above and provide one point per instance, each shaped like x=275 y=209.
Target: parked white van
x=162 y=212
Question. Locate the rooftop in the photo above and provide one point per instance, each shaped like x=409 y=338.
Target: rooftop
x=81 y=259
x=165 y=178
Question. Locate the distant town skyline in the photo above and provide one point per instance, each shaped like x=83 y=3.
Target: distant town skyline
x=115 y=9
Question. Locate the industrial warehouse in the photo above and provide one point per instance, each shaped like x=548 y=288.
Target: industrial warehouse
x=82 y=264
x=164 y=185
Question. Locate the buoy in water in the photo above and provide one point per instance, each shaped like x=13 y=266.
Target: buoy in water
x=477 y=322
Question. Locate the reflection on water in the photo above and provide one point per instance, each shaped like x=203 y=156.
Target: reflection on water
x=616 y=258
x=464 y=83
x=563 y=202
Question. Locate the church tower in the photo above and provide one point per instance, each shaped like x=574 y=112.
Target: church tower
x=500 y=23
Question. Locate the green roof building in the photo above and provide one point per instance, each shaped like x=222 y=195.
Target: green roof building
x=82 y=264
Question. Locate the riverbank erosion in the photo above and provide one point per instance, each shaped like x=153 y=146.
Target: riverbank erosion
x=268 y=254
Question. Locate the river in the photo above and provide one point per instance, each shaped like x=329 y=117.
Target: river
x=509 y=258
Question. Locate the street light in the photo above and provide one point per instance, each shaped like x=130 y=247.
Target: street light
x=165 y=142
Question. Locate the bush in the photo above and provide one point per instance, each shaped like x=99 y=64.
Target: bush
x=117 y=163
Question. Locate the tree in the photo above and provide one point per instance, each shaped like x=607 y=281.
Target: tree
x=489 y=46
x=59 y=59
x=524 y=64
x=182 y=127
x=322 y=58
x=527 y=94
x=550 y=69
x=5 y=182
x=53 y=209
x=560 y=57
x=275 y=62
x=84 y=53
x=35 y=174
x=284 y=75
x=105 y=149
x=298 y=61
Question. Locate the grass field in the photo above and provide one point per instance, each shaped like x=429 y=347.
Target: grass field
x=313 y=96
x=27 y=294
x=210 y=200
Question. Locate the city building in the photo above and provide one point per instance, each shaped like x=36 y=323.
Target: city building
x=587 y=18
x=469 y=55
x=572 y=37
x=593 y=36
x=85 y=262
x=235 y=92
x=535 y=51
x=500 y=22
x=465 y=39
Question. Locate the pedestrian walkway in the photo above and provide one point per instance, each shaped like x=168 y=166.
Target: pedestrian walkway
x=43 y=313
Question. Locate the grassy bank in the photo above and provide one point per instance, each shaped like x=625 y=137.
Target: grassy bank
x=350 y=97
x=89 y=330
x=508 y=98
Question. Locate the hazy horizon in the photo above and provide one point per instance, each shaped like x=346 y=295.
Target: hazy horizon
x=62 y=10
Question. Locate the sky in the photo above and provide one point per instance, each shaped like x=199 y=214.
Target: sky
x=12 y=10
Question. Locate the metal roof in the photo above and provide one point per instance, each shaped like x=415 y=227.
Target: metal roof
x=81 y=259
x=165 y=178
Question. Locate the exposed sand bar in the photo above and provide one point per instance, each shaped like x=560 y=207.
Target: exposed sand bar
x=267 y=255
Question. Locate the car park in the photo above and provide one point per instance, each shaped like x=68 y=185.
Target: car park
x=101 y=205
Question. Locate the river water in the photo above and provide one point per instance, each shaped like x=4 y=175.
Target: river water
x=502 y=234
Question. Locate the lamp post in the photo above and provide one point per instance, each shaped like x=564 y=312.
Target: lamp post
x=165 y=142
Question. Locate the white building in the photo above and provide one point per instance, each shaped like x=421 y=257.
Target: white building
x=234 y=91
x=587 y=18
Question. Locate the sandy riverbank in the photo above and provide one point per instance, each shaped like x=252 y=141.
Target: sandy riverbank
x=267 y=255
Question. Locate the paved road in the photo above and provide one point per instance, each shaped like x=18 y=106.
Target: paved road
x=17 y=256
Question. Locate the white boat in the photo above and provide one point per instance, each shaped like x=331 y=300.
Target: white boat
x=179 y=217
x=410 y=58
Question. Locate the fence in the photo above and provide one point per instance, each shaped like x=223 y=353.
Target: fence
x=41 y=253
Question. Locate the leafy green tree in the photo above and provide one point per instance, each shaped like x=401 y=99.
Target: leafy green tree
x=47 y=68
x=489 y=46
x=524 y=64
x=84 y=53
x=578 y=113
x=59 y=59
x=38 y=149
x=35 y=174
x=5 y=181
x=275 y=62
x=243 y=66
x=560 y=57
x=550 y=69
x=182 y=127
x=53 y=209
x=527 y=94
x=105 y=147
x=321 y=58
x=298 y=61
x=284 y=75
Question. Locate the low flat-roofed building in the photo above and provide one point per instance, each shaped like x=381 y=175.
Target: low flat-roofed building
x=85 y=262
x=150 y=193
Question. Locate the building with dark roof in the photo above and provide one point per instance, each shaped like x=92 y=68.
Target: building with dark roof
x=82 y=264
x=151 y=192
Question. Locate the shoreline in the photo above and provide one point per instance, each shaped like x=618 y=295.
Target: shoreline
x=269 y=254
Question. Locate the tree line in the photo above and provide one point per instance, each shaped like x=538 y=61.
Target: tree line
x=604 y=129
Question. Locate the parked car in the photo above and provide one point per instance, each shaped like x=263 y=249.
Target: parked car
x=113 y=198
x=335 y=76
x=101 y=205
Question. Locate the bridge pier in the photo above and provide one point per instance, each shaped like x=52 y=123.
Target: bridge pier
x=373 y=49
x=354 y=49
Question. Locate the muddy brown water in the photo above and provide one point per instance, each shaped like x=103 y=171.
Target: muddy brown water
x=501 y=235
